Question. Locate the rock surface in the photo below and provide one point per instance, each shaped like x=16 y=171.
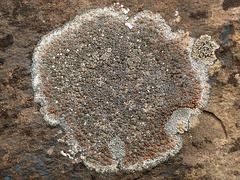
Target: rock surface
x=29 y=147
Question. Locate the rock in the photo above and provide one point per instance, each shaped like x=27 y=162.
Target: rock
x=25 y=137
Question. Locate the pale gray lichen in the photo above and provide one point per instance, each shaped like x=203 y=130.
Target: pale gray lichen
x=119 y=86
x=117 y=148
x=179 y=120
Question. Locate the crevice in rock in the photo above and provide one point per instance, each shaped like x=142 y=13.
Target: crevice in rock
x=218 y=119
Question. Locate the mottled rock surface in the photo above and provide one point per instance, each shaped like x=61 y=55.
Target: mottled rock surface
x=29 y=147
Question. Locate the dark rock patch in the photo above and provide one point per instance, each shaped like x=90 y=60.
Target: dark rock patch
x=199 y=14
x=227 y=4
x=232 y=80
x=6 y=41
x=2 y=61
x=235 y=147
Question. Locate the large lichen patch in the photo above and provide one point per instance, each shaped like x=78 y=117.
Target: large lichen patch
x=113 y=82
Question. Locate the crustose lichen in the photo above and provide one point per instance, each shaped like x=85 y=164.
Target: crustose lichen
x=204 y=50
x=120 y=87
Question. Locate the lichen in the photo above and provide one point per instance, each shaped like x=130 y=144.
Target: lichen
x=119 y=87
x=182 y=127
x=204 y=50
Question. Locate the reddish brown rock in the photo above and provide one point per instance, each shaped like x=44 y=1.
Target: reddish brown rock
x=25 y=139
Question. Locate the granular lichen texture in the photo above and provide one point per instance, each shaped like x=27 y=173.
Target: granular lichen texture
x=119 y=86
x=203 y=50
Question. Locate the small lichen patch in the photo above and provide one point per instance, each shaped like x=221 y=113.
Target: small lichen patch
x=119 y=87
x=182 y=127
x=117 y=148
x=179 y=120
x=204 y=50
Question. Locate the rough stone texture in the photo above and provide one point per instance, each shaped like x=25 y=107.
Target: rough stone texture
x=29 y=147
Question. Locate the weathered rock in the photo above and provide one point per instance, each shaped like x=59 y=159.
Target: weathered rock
x=25 y=137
